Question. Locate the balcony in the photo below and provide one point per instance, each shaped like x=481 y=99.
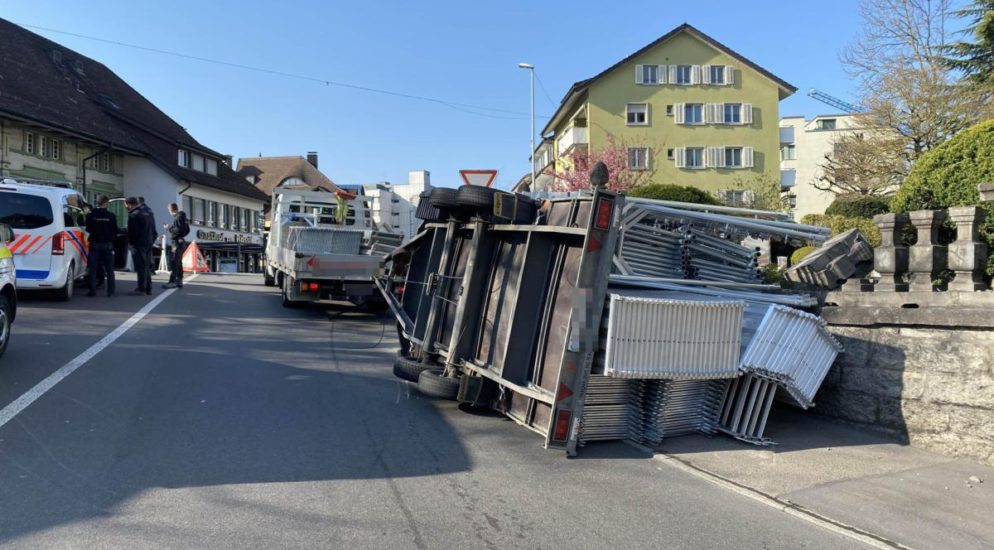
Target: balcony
x=571 y=137
x=788 y=178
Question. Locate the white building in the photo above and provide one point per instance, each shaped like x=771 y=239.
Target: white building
x=803 y=147
x=71 y=119
x=394 y=205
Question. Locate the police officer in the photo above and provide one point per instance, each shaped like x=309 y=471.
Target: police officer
x=178 y=230
x=102 y=227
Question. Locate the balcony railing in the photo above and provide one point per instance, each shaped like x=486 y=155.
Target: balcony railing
x=572 y=137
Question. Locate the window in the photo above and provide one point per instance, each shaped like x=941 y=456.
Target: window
x=695 y=157
x=638 y=114
x=717 y=74
x=683 y=74
x=25 y=211
x=197 y=162
x=236 y=216
x=638 y=158
x=211 y=214
x=669 y=110
x=105 y=163
x=733 y=113
x=43 y=150
x=187 y=205
x=669 y=154
x=733 y=157
x=825 y=124
x=693 y=113
x=244 y=217
x=56 y=149
x=212 y=167
x=253 y=220
x=29 y=143
x=184 y=158
x=788 y=152
x=735 y=198
x=647 y=74
x=198 y=214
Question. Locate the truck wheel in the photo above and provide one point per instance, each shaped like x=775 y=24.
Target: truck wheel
x=444 y=200
x=64 y=294
x=433 y=384
x=267 y=280
x=477 y=200
x=287 y=302
x=409 y=369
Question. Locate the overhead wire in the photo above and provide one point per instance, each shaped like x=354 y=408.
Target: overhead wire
x=468 y=108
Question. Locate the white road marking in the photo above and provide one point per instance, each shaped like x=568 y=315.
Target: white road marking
x=10 y=411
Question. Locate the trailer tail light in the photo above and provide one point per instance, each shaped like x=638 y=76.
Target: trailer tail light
x=561 y=430
x=309 y=287
x=605 y=207
x=59 y=244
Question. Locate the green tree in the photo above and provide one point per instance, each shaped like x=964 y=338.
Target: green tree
x=975 y=59
x=679 y=193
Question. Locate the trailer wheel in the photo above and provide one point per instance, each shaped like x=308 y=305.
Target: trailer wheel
x=433 y=384
x=409 y=369
x=476 y=197
x=267 y=280
x=443 y=199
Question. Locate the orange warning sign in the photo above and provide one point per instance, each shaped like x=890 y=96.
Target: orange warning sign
x=193 y=260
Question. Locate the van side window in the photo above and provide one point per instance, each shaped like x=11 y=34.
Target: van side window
x=73 y=217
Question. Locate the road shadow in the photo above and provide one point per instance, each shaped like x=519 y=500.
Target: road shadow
x=223 y=387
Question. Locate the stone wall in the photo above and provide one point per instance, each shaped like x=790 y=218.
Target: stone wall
x=932 y=386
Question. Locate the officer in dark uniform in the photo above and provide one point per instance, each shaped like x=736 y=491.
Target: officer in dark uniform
x=102 y=227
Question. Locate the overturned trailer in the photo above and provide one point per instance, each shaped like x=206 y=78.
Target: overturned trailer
x=585 y=318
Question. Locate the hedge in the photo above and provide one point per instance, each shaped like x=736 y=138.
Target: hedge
x=857 y=206
x=840 y=224
x=665 y=192
x=801 y=253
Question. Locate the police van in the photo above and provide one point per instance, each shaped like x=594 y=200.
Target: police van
x=50 y=245
x=8 y=287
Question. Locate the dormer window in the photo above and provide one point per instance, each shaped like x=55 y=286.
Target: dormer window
x=211 y=167
x=184 y=158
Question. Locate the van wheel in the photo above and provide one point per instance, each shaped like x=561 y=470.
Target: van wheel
x=64 y=294
x=5 y=317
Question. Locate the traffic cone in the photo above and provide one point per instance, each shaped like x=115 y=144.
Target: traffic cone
x=193 y=260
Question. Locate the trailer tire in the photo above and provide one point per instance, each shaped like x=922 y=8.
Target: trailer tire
x=433 y=384
x=409 y=369
x=479 y=199
x=267 y=280
x=443 y=198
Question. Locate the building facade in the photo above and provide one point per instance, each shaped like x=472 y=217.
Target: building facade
x=394 y=205
x=686 y=108
x=67 y=118
x=804 y=146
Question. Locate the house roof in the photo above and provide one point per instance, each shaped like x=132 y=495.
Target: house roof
x=270 y=172
x=573 y=94
x=48 y=85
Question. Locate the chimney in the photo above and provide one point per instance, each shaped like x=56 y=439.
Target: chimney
x=312 y=157
x=228 y=159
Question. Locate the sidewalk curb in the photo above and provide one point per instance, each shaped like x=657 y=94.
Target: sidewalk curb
x=788 y=508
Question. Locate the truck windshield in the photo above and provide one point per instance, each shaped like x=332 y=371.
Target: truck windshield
x=21 y=211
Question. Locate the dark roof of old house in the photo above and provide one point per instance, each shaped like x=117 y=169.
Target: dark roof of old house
x=51 y=86
x=270 y=172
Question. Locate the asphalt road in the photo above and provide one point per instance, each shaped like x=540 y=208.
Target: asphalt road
x=224 y=420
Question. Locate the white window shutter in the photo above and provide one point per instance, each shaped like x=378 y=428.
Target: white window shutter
x=638 y=74
x=672 y=74
x=680 y=157
x=648 y=158
x=747 y=154
x=706 y=115
x=749 y=197
x=663 y=74
x=695 y=74
x=729 y=75
x=679 y=114
x=706 y=74
x=746 y=113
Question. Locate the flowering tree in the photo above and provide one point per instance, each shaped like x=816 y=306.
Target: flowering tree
x=574 y=174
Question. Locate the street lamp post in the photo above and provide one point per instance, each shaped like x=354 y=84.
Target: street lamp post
x=531 y=153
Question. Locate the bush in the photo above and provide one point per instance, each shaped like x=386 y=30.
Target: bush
x=664 y=192
x=801 y=253
x=771 y=274
x=948 y=176
x=858 y=206
x=840 y=224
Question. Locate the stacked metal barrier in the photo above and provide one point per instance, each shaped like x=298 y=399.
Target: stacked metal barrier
x=608 y=410
x=745 y=408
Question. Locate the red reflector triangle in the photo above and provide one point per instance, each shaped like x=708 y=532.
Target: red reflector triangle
x=564 y=392
x=593 y=244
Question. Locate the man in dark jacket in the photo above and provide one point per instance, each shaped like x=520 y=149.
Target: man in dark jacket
x=178 y=230
x=102 y=227
x=140 y=240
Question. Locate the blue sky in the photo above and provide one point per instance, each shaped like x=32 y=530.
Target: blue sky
x=463 y=52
